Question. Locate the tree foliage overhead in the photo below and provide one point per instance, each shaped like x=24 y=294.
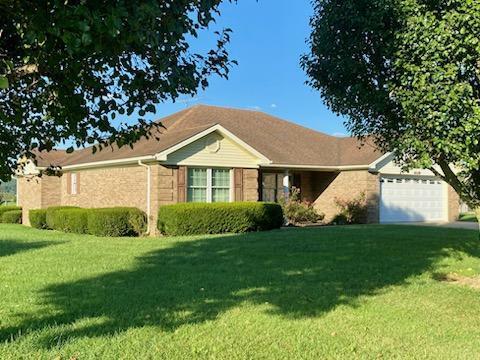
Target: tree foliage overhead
x=406 y=72
x=67 y=68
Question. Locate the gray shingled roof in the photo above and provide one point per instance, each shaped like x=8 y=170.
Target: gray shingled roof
x=281 y=141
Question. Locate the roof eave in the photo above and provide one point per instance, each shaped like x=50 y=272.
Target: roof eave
x=315 y=167
x=96 y=164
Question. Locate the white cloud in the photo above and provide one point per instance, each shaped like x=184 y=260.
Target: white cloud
x=273 y=106
x=340 y=134
x=256 y=107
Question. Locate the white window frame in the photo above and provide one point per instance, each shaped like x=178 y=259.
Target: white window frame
x=73 y=183
x=210 y=183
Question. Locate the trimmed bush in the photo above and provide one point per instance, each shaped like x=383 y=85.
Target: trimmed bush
x=50 y=218
x=38 y=218
x=352 y=211
x=218 y=218
x=4 y=209
x=116 y=222
x=11 y=217
x=299 y=212
x=71 y=220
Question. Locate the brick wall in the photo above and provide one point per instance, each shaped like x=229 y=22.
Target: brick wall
x=29 y=195
x=453 y=204
x=116 y=186
x=51 y=194
x=107 y=187
x=127 y=186
x=38 y=193
x=322 y=188
x=163 y=192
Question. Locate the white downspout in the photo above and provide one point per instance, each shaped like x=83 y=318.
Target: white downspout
x=149 y=171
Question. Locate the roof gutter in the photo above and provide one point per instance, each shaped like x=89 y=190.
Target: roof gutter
x=133 y=160
x=316 y=167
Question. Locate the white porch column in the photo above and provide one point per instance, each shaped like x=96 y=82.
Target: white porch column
x=286 y=184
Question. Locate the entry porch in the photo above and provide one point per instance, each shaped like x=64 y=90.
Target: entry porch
x=322 y=188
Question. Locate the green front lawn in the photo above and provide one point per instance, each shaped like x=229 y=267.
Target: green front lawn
x=343 y=292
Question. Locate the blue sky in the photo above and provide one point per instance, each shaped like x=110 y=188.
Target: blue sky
x=268 y=39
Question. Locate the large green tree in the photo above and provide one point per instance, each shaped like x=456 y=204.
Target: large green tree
x=406 y=73
x=69 y=67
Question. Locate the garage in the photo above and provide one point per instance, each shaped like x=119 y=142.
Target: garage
x=412 y=199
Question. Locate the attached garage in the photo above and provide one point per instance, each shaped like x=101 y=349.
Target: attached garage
x=412 y=199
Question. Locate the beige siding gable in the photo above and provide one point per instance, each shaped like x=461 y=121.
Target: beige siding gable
x=388 y=167
x=213 y=150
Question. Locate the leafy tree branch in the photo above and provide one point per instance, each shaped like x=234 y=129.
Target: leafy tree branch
x=406 y=73
x=68 y=68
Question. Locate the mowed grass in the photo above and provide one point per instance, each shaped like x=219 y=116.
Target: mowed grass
x=332 y=292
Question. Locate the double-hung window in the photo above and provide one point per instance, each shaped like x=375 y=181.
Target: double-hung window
x=197 y=185
x=220 y=185
x=208 y=185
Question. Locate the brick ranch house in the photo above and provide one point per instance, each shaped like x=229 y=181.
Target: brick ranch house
x=209 y=154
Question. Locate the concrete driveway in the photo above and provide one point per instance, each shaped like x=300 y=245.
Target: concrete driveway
x=453 y=225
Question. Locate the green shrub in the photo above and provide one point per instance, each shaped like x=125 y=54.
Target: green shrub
x=38 y=218
x=100 y=222
x=11 y=217
x=4 y=209
x=217 y=218
x=340 y=219
x=71 y=220
x=352 y=211
x=116 y=222
x=297 y=211
x=51 y=219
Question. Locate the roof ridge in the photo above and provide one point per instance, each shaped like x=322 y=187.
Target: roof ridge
x=185 y=112
x=273 y=117
x=292 y=124
x=227 y=108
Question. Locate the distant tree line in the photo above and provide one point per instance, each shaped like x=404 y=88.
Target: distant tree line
x=9 y=187
x=8 y=192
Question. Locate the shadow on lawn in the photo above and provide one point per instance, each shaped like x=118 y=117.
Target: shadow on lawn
x=299 y=272
x=12 y=247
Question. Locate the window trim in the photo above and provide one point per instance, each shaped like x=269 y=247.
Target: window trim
x=209 y=185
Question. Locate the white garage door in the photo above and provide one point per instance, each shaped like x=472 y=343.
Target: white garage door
x=411 y=199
